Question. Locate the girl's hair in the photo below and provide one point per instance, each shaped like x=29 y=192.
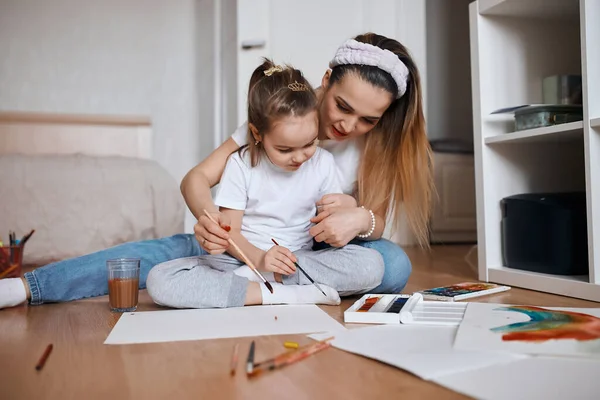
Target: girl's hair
x=275 y=92
x=396 y=171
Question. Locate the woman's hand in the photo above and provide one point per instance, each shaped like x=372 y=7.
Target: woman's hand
x=280 y=260
x=338 y=226
x=334 y=200
x=213 y=237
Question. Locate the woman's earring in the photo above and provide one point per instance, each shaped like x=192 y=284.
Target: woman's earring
x=256 y=142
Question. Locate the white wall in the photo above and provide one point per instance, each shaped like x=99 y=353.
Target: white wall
x=449 y=108
x=113 y=57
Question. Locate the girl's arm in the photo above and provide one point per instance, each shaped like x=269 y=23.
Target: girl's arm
x=256 y=255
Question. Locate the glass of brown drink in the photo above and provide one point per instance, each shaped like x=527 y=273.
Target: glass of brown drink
x=123 y=284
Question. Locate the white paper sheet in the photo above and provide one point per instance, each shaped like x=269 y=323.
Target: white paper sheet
x=426 y=351
x=530 y=378
x=556 y=329
x=178 y=325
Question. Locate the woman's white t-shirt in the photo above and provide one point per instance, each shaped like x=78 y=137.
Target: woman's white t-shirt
x=347 y=155
x=277 y=203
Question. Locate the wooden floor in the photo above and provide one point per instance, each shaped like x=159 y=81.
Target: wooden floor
x=82 y=367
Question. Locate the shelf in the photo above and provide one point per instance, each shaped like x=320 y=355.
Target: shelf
x=540 y=9
x=563 y=132
x=595 y=123
x=572 y=286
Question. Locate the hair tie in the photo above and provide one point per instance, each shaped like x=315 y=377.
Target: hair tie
x=273 y=69
x=355 y=52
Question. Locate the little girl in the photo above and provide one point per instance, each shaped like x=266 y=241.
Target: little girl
x=269 y=190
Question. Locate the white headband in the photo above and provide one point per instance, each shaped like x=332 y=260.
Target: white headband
x=354 y=52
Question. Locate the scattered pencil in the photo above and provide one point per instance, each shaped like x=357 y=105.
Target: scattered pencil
x=250 y=360
x=44 y=357
x=234 y=358
x=291 y=345
x=289 y=358
x=304 y=272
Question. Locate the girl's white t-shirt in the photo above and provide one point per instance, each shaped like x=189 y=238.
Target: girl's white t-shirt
x=277 y=204
x=347 y=155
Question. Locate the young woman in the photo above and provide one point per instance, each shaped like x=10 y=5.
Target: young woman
x=370 y=119
x=268 y=190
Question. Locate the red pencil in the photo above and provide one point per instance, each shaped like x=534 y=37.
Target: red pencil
x=44 y=357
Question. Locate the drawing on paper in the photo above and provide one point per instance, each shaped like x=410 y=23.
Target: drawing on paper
x=547 y=324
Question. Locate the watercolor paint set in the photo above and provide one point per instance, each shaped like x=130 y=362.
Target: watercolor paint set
x=462 y=291
x=404 y=309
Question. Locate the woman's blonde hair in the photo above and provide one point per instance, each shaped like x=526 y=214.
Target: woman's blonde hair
x=396 y=172
x=275 y=92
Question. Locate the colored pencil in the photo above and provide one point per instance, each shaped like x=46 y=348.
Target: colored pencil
x=26 y=238
x=8 y=270
x=234 y=358
x=304 y=272
x=289 y=358
x=44 y=357
x=246 y=259
x=250 y=360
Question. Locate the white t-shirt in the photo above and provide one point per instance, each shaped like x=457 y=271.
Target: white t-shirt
x=347 y=155
x=278 y=203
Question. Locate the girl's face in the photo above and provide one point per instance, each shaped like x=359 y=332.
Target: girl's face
x=291 y=141
x=350 y=107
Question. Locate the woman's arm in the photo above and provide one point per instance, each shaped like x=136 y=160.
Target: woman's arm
x=195 y=188
x=196 y=184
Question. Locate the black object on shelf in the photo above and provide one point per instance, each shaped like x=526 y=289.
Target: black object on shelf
x=545 y=232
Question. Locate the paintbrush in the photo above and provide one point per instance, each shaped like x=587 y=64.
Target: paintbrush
x=289 y=358
x=304 y=272
x=250 y=360
x=246 y=259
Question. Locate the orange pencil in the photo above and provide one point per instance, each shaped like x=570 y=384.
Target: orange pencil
x=289 y=358
x=234 y=358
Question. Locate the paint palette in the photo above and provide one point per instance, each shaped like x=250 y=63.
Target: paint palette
x=405 y=309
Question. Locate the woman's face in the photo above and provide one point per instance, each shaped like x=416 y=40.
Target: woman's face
x=350 y=107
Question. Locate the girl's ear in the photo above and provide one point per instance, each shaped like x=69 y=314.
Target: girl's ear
x=325 y=80
x=254 y=131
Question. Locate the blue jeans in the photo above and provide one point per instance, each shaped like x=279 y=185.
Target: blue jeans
x=87 y=276
x=397 y=264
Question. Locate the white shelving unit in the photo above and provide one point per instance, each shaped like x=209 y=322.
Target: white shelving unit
x=514 y=45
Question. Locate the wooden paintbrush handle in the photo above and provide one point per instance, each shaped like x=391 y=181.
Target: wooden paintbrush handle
x=235 y=246
x=246 y=259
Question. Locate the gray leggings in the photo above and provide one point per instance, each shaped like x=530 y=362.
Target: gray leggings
x=209 y=282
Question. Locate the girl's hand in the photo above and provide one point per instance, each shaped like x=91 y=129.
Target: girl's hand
x=337 y=226
x=213 y=237
x=333 y=200
x=279 y=260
